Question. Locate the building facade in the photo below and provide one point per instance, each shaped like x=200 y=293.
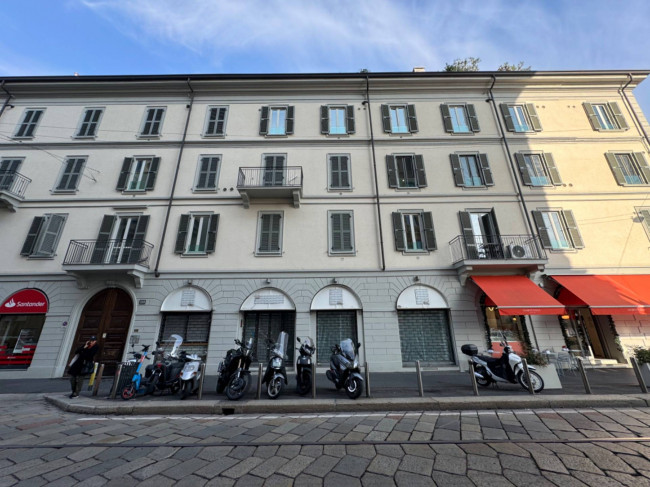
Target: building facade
x=401 y=210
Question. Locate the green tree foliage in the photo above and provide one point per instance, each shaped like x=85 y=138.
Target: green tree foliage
x=467 y=64
x=513 y=67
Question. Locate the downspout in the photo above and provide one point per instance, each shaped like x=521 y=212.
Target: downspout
x=178 y=166
x=9 y=97
x=374 y=168
x=629 y=106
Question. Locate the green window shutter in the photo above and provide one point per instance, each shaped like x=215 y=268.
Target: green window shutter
x=591 y=115
x=8 y=170
x=324 y=119
x=289 y=126
x=398 y=231
x=51 y=232
x=485 y=170
x=525 y=175
x=341 y=232
x=75 y=175
x=643 y=165
x=542 y=230
x=616 y=169
x=137 y=245
x=618 y=115
x=335 y=171
x=385 y=118
x=264 y=121
x=350 y=125
x=572 y=226
x=212 y=173
x=270 y=233
x=473 y=119
x=468 y=234
x=446 y=118
x=413 y=121
x=422 y=175
x=456 y=170
x=534 y=118
x=181 y=237
x=552 y=169
x=645 y=215
x=32 y=236
x=392 y=174
x=153 y=171
x=429 y=232
x=507 y=118
x=211 y=242
x=221 y=121
x=344 y=166
x=102 y=244
x=335 y=226
x=124 y=174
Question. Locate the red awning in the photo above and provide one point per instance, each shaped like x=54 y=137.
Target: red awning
x=607 y=295
x=518 y=295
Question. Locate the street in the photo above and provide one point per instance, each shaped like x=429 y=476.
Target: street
x=40 y=444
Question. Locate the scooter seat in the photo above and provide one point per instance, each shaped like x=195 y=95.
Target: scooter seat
x=489 y=360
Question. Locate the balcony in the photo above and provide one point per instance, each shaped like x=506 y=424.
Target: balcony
x=259 y=183
x=12 y=189
x=107 y=259
x=503 y=254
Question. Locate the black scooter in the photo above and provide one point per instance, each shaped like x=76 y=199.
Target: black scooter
x=303 y=365
x=344 y=368
x=165 y=372
x=276 y=374
x=234 y=374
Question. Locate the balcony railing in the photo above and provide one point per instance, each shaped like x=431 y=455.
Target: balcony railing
x=497 y=247
x=108 y=252
x=260 y=177
x=14 y=183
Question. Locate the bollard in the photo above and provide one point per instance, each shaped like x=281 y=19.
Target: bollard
x=367 y=380
x=639 y=377
x=259 y=382
x=473 y=378
x=118 y=374
x=199 y=394
x=98 y=379
x=93 y=374
x=419 y=372
x=524 y=364
x=583 y=373
x=313 y=380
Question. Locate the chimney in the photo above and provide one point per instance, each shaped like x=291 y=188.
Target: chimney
x=419 y=69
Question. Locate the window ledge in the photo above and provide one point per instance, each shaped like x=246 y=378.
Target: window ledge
x=148 y=137
x=134 y=191
x=339 y=190
x=213 y=136
x=416 y=252
x=268 y=254
x=328 y=135
x=462 y=133
x=15 y=137
x=41 y=257
x=572 y=250
x=482 y=187
x=351 y=253
x=84 y=137
x=64 y=191
x=205 y=190
x=406 y=190
x=194 y=255
x=276 y=136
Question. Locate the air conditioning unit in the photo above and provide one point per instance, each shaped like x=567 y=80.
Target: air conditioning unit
x=519 y=251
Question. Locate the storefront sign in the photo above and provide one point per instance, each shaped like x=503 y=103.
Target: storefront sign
x=25 y=301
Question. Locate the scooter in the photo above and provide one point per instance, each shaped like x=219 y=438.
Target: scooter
x=344 y=368
x=165 y=372
x=190 y=375
x=234 y=374
x=276 y=375
x=507 y=368
x=136 y=386
x=303 y=365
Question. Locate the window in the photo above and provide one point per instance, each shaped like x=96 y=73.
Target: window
x=406 y=171
x=341 y=232
x=90 y=122
x=269 y=234
x=207 y=173
x=538 y=169
x=8 y=170
x=629 y=168
x=27 y=127
x=339 y=171
x=275 y=169
x=399 y=119
x=215 y=122
x=121 y=240
x=193 y=327
x=471 y=170
x=152 y=123
x=43 y=236
x=481 y=234
x=459 y=118
x=337 y=120
x=276 y=120
x=414 y=231
x=605 y=116
x=138 y=174
x=521 y=117
x=70 y=174
x=197 y=234
x=558 y=229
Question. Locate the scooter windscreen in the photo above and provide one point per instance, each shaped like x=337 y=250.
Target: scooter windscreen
x=280 y=347
x=347 y=349
x=178 y=341
x=309 y=343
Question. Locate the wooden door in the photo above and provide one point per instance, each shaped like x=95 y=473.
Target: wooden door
x=107 y=316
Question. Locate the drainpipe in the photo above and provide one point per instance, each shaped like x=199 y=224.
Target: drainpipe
x=374 y=168
x=9 y=97
x=178 y=166
x=629 y=106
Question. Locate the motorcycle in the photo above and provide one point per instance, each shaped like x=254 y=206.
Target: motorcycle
x=344 y=368
x=190 y=375
x=507 y=368
x=234 y=374
x=276 y=375
x=304 y=365
x=165 y=372
x=136 y=386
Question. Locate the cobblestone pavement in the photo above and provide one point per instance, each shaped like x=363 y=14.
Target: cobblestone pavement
x=41 y=445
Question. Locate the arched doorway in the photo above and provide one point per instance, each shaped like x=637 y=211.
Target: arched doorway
x=107 y=316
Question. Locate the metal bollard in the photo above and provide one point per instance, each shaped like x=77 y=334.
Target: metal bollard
x=118 y=374
x=419 y=373
x=639 y=376
x=93 y=374
x=199 y=393
x=583 y=373
x=524 y=364
x=367 y=372
x=473 y=378
x=259 y=382
x=98 y=379
x=313 y=380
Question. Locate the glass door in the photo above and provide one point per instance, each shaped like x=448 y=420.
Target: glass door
x=121 y=240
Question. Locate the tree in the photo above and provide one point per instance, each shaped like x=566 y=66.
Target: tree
x=513 y=67
x=467 y=64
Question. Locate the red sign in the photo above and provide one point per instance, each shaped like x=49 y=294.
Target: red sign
x=26 y=301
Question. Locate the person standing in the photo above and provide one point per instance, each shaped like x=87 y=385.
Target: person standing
x=82 y=365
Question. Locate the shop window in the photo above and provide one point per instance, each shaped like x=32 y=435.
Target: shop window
x=194 y=328
x=19 y=335
x=508 y=327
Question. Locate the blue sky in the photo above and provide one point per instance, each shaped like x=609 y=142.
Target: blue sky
x=61 y=37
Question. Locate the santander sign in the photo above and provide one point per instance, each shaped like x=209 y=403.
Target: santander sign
x=25 y=301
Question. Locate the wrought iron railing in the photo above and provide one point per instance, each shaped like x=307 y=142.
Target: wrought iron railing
x=108 y=252
x=260 y=177
x=14 y=183
x=496 y=247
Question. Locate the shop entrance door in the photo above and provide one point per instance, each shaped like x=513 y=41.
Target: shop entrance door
x=107 y=316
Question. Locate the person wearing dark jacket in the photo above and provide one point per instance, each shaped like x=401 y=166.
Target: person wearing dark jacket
x=79 y=365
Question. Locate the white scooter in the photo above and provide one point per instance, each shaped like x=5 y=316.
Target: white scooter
x=190 y=375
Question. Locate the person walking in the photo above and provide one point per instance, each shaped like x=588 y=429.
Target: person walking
x=82 y=364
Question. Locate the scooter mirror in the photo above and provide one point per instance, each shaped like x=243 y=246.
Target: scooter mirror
x=358 y=345
x=298 y=339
